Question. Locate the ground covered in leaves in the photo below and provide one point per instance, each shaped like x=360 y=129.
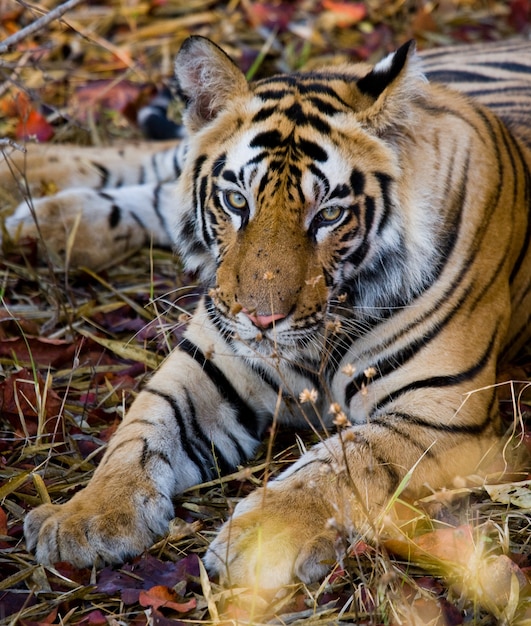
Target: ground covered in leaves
x=75 y=346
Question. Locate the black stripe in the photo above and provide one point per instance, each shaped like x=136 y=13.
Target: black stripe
x=438 y=382
x=115 y=216
x=202 y=205
x=325 y=107
x=188 y=448
x=458 y=76
x=148 y=454
x=154 y=166
x=104 y=173
x=385 y=181
x=263 y=114
x=268 y=139
x=157 y=207
x=176 y=166
x=399 y=359
x=313 y=150
x=140 y=223
x=244 y=413
x=209 y=446
x=319 y=124
x=458 y=429
x=527 y=195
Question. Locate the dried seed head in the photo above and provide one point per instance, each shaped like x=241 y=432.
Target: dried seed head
x=370 y=372
x=308 y=395
x=335 y=408
x=333 y=326
x=349 y=369
x=341 y=420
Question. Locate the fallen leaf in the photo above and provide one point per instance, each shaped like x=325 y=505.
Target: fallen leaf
x=143 y=573
x=91 y=99
x=34 y=126
x=346 y=13
x=517 y=494
x=94 y=618
x=126 y=350
x=3 y=522
x=164 y=596
x=48 y=619
x=27 y=401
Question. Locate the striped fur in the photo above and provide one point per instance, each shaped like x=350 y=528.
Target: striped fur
x=363 y=238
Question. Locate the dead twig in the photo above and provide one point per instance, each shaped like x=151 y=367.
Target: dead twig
x=37 y=25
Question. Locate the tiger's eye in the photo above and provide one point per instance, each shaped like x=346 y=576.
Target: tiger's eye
x=331 y=214
x=235 y=200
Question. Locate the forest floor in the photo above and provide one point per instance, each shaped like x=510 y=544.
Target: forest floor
x=76 y=345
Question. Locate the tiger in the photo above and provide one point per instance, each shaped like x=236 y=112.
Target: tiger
x=362 y=236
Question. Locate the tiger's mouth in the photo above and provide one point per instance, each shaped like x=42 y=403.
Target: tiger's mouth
x=285 y=324
x=270 y=334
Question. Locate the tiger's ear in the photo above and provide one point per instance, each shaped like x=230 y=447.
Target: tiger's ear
x=207 y=78
x=390 y=87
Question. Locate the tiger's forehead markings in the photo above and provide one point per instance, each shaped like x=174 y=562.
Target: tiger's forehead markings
x=303 y=101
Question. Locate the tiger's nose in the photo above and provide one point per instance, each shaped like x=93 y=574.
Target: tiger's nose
x=263 y=321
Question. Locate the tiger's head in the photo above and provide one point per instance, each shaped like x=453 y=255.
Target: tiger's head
x=289 y=199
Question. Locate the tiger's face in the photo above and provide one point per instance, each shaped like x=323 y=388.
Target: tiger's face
x=292 y=199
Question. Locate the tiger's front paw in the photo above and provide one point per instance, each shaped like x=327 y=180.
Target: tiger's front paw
x=90 y=529
x=276 y=536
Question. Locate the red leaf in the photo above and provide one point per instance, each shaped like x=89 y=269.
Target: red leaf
x=519 y=14
x=346 y=13
x=94 y=618
x=34 y=126
x=164 y=596
x=3 y=522
x=125 y=97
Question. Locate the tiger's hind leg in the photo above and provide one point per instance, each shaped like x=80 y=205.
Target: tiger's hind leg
x=45 y=169
x=96 y=204
x=92 y=228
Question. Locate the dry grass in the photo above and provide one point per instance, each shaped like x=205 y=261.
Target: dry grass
x=75 y=347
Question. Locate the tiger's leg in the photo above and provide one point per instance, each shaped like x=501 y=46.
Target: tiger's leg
x=94 y=227
x=298 y=525
x=187 y=425
x=49 y=168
